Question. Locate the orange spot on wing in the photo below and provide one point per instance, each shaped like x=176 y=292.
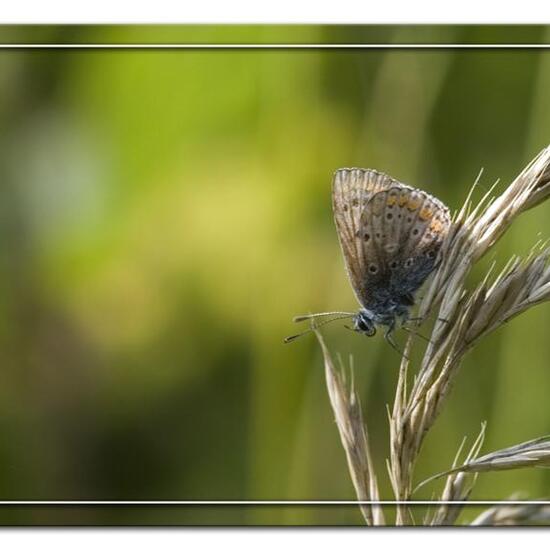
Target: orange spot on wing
x=391 y=200
x=436 y=226
x=413 y=204
x=425 y=214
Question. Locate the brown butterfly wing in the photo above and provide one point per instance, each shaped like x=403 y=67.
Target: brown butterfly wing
x=352 y=190
x=408 y=227
x=390 y=234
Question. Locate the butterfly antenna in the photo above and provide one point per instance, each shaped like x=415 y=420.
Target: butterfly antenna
x=314 y=327
x=300 y=318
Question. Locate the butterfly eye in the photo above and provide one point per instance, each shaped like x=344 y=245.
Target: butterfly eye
x=408 y=262
x=373 y=268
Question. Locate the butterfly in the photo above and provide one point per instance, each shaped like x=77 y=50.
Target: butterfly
x=390 y=235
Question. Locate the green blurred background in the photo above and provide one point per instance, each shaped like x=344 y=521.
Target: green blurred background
x=165 y=213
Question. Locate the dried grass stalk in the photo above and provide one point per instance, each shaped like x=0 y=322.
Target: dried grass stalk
x=463 y=316
x=457 y=487
x=353 y=434
x=517 y=514
x=534 y=453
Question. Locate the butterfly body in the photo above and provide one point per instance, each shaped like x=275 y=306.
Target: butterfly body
x=390 y=235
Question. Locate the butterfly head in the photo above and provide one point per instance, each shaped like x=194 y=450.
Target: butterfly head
x=363 y=322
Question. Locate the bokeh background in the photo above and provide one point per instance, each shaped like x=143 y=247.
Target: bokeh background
x=165 y=213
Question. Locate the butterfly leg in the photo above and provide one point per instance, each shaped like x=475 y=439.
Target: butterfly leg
x=413 y=319
x=389 y=338
x=406 y=319
x=414 y=333
x=421 y=319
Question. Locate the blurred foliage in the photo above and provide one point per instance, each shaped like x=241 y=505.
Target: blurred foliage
x=165 y=213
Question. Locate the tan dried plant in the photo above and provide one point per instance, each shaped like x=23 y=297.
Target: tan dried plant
x=463 y=316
